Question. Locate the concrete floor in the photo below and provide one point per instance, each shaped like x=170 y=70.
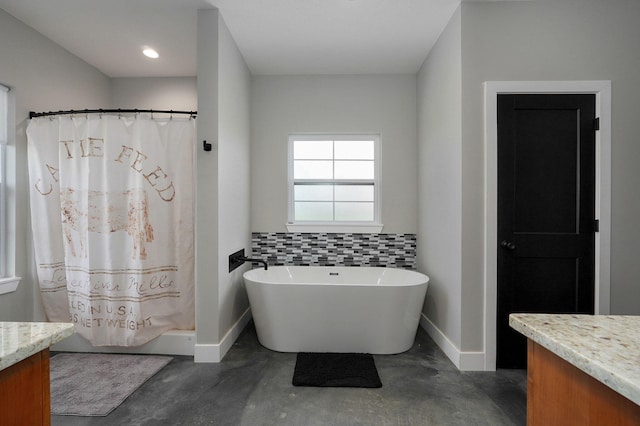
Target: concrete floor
x=252 y=386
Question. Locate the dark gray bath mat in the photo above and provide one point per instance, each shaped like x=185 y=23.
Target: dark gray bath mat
x=95 y=384
x=336 y=370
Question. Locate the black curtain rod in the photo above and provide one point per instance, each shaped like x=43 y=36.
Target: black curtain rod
x=110 y=111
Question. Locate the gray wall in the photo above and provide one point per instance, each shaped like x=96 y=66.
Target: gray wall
x=223 y=174
x=207 y=180
x=224 y=84
x=384 y=104
x=176 y=93
x=43 y=76
x=563 y=40
x=234 y=94
x=440 y=180
x=516 y=41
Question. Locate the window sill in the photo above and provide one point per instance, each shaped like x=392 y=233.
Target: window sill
x=9 y=285
x=337 y=228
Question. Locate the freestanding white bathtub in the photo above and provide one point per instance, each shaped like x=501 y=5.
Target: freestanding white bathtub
x=336 y=309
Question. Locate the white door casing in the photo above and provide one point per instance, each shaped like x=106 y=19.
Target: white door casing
x=602 y=91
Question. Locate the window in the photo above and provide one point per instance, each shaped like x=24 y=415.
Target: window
x=7 y=234
x=334 y=181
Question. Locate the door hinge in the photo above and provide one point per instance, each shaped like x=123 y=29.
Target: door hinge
x=596 y=123
x=596 y=225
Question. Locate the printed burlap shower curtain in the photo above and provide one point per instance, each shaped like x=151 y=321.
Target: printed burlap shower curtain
x=112 y=213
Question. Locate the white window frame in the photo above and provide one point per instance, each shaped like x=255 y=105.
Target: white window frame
x=8 y=282
x=374 y=226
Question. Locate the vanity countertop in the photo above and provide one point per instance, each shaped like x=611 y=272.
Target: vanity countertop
x=606 y=347
x=20 y=340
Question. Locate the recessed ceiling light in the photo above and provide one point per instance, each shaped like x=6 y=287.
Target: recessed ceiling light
x=150 y=53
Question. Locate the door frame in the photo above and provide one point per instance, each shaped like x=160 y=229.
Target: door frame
x=602 y=90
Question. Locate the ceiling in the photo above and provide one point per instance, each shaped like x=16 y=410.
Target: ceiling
x=274 y=36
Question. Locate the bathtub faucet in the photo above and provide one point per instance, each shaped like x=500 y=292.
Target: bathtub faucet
x=248 y=259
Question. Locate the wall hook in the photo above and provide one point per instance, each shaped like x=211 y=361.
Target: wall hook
x=206 y=146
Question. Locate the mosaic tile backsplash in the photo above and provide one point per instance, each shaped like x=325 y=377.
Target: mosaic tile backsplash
x=329 y=249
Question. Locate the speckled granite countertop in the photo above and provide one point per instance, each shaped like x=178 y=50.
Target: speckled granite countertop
x=607 y=347
x=20 y=340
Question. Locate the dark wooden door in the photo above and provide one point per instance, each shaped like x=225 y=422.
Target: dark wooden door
x=546 y=211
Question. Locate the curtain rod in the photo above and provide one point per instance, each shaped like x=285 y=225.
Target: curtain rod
x=109 y=111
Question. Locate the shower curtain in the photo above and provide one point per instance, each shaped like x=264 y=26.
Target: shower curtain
x=112 y=214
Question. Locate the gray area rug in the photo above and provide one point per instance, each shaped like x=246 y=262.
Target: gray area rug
x=95 y=384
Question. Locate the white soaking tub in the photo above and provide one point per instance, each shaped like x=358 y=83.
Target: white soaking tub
x=336 y=309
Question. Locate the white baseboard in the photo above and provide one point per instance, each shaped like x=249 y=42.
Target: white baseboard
x=464 y=361
x=472 y=361
x=172 y=342
x=216 y=351
x=204 y=352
